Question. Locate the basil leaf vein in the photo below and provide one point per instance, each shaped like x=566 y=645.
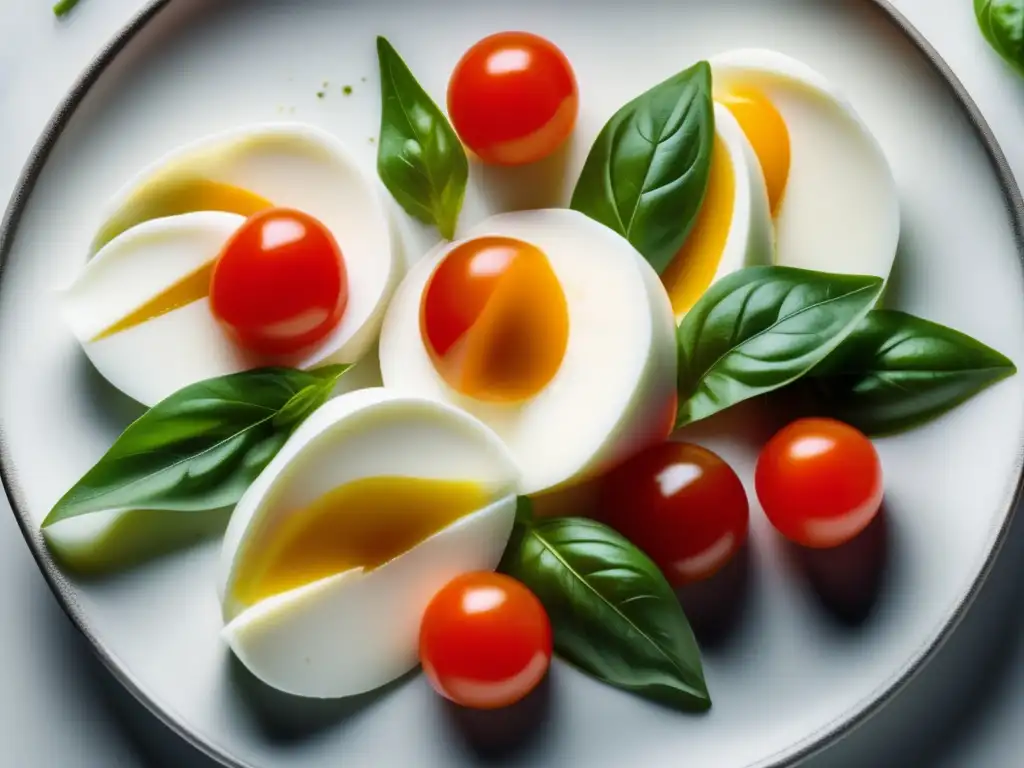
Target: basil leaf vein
x=897 y=370
x=647 y=172
x=201 y=447
x=762 y=328
x=613 y=613
x=419 y=157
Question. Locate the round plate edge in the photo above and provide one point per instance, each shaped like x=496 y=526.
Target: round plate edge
x=792 y=755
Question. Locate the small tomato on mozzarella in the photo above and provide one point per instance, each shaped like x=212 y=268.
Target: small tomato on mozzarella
x=275 y=224
x=330 y=558
x=548 y=327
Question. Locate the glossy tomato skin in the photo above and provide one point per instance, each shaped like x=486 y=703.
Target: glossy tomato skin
x=279 y=283
x=485 y=641
x=513 y=98
x=682 y=505
x=819 y=482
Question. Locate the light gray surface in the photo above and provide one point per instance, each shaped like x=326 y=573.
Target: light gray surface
x=62 y=710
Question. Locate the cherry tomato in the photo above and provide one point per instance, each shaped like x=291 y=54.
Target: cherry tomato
x=513 y=98
x=494 y=319
x=682 y=505
x=819 y=482
x=280 y=282
x=485 y=641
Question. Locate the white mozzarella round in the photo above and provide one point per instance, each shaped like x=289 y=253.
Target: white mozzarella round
x=147 y=243
x=358 y=629
x=619 y=368
x=840 y=211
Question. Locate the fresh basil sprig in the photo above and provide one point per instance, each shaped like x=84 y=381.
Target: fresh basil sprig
x=613 y=613
x=897 y=370
x=762 y=328
x=647 y=173
x=200 y=448
x=419 y=156
x=1002 y=24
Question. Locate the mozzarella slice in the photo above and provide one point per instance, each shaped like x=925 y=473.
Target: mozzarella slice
x=357 y=628
x=157 y=233
x=840 y=210
x=616 y=381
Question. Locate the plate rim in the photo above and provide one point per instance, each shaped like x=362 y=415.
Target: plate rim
x=796 y=753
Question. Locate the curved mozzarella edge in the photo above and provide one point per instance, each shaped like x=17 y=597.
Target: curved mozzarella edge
x=291 y=165
x=151 y=360
x=358 y=630
x=366 y=433
x=140 y=264
x=735 y=63
x=647 y=412
x=619 y=365
x=750 y=238
x=840 y=179
x=751 y=235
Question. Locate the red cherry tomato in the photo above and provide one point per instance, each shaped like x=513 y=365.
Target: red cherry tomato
x=279 y=283
x=513 y=98
x=494 y=319
x=682 y=505
x=485 y=641
x=819 y=482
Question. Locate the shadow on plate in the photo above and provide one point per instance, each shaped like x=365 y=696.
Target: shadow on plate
x=114 y=410
x=285 y=718
x=93 y=692
x=893 y=294
x=752 y=423
x=525 y=187
x=847 y=579
x=496 y=735
x=715 y=607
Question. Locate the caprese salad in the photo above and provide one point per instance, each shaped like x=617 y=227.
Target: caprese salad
x=516 y=483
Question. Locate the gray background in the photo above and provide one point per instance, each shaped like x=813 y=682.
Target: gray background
x=58 y=707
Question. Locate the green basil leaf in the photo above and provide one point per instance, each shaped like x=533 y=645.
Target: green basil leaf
x=897 y=370
x=1002 y=24
x=310 y=397
x=647 y=173
x=419 y=158
x=761 y=328
x=524 y=510
x=613 y=613
x=64 y=7
x=200 y=448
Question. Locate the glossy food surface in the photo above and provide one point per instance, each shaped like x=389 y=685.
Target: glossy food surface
x=280 y=282
x=361 y=524
x=485 y=641
x=819 y=481
x=513 y=98
x=782 y=708
x=681 y=504
x=494 y=319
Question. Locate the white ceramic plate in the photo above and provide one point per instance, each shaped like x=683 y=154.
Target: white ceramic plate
x=806 y=648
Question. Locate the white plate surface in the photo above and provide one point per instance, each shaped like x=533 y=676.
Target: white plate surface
x=786 y=672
